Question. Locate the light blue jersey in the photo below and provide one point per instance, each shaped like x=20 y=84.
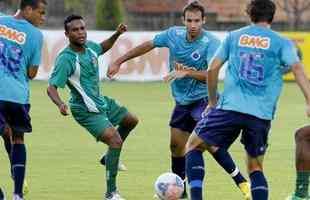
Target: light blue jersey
x=20 y=47
x=196 y=54
x=253 y=79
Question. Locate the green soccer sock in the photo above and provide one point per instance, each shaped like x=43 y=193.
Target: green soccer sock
x=112 y=159
x=302 y=183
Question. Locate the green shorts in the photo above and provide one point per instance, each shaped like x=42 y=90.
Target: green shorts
x=96 y=123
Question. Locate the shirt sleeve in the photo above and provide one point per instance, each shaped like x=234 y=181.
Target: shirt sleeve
x=222 y=52
x=289 y=53
x=212 y=48
x=95 y=47
x=161 y=39
x=37 y=44
x=62 y=71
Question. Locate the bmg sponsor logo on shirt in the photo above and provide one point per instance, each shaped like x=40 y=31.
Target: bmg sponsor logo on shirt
x=252 y=41
x=12 y=34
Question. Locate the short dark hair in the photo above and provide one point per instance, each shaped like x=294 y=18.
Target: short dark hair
x=70 y=18
x=32 y=3
x=194 y=6
x=261 y=11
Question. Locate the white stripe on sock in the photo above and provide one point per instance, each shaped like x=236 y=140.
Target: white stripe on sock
x=235 y=172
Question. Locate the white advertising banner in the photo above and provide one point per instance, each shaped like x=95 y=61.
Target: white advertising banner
x=149 y=67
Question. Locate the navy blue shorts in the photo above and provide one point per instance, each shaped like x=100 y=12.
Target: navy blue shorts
x=16 y=116
x=222 y=127
x=186 y=117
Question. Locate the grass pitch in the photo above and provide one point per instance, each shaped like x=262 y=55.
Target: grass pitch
x=63 y=158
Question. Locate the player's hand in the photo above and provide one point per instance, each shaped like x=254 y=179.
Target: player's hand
x=180 y=71
x=207 y=110
x=63 y=109
x=113 y=69
x=122 y=28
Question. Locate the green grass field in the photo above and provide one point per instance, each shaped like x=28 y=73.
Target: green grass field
x=63 y=157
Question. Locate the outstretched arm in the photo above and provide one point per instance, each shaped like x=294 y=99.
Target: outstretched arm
x=303 y=83
x=54 y=96
x=135 y=52
x=107 y=44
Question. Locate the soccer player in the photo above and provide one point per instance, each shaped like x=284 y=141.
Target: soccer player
x=77 y=67
x=20 y=55
x=252 y=86
x=191 y=49
x=302 y=159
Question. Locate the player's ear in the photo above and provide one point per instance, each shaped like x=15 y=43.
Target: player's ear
x=204 y=20
x=28 y=10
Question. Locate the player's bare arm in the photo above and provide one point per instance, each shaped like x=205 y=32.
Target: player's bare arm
x=137 y=51
x=212 y=80
x=303 y=83
x=107 y=44
x=32 y=72
x=54 y=96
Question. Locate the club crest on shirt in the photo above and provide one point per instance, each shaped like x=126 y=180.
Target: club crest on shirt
x=12 y=34
x=195 y=55
x=254 y=41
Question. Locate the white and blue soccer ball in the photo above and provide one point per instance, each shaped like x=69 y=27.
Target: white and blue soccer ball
x=169 y=186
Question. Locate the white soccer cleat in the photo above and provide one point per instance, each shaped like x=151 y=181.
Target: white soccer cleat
x=121 y=166
x=17 y=197
x=114 y=196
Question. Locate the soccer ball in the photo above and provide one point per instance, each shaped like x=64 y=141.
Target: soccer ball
x=169 y=186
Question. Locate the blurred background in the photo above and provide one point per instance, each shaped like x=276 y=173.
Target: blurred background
x=160 y=14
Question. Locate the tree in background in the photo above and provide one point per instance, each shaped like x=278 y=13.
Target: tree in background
x=76 y=5
x=294 y=10
x=109 y=14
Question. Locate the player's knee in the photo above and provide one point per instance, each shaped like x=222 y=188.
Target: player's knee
x=302 y=134
x=18 y=138
x=130 y=122
x=133 y=122
x=176 y=148
x=116 y=142
x=254 y=166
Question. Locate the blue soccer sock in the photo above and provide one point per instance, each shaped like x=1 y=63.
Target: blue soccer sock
x=178 y=167
x=224 y=159
x=259 y=186
x=18 y=167
x=195 y=172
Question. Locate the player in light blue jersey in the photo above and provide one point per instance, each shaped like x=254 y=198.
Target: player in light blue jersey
x=20 y=56
x=252 y=86
x=190 y=51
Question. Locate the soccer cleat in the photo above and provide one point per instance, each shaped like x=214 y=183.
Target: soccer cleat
x=121 y=166
x=25 y=188
x=294 y=197
x=2 y=195
x=114 y=196
x=245 y=189
x=17 y=197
